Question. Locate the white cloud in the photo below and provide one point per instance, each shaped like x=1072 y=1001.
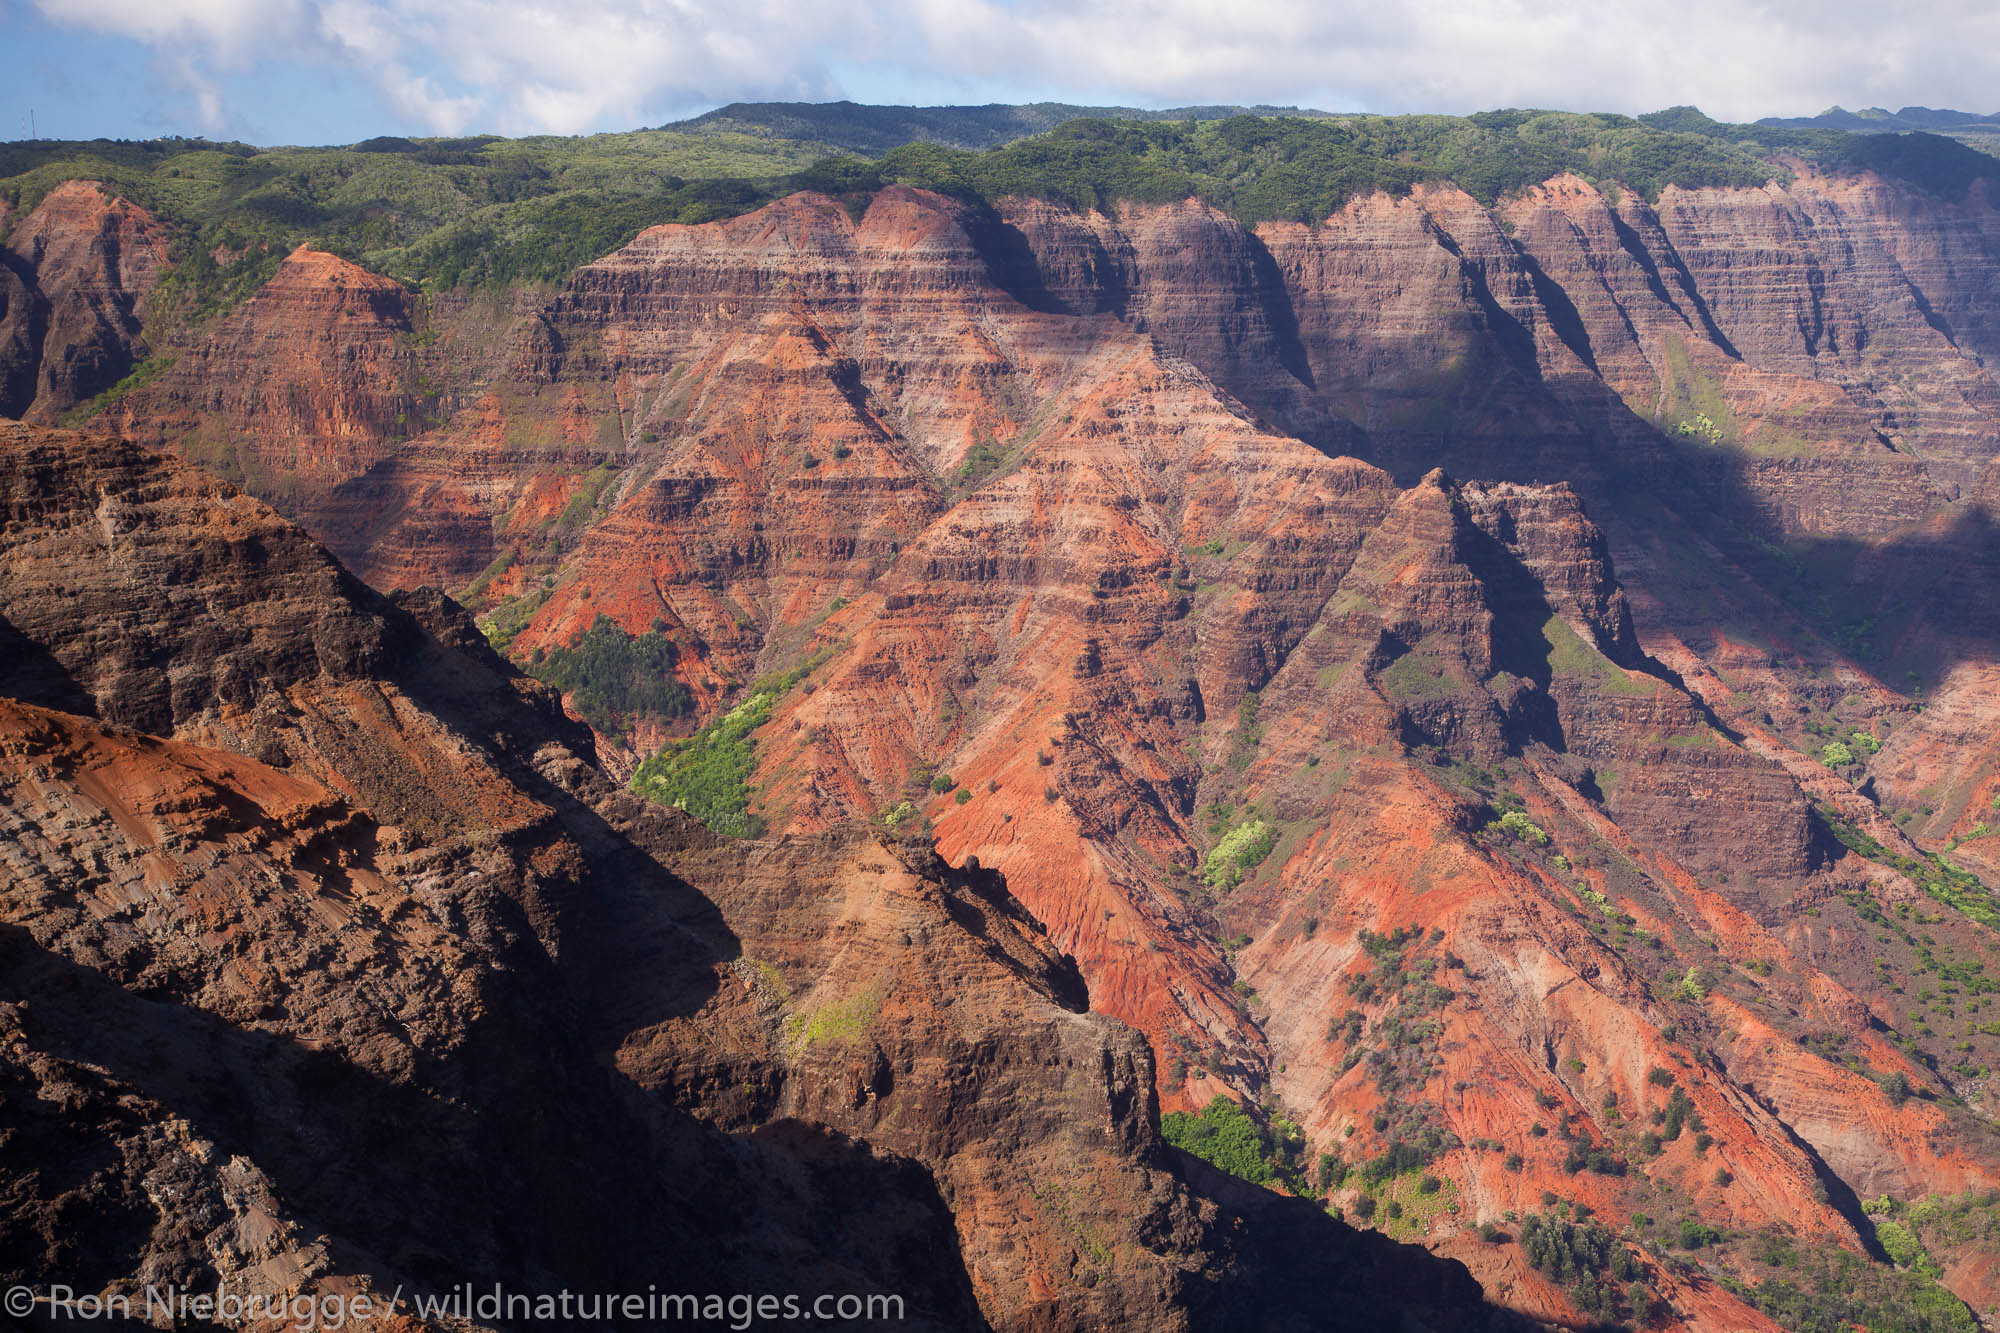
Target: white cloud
x=543 y=66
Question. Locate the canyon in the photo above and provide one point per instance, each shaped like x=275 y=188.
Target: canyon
x=1386 y=672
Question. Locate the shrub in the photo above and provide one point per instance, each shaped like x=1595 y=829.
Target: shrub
x=1835 y=754
x=1240 y=851
x=1513 y=1163
x=1517 y=825
x=1659 y=1078
x=1680 y=1111
x=963 y=796
x=1694 y=1235
x=1903 y=1249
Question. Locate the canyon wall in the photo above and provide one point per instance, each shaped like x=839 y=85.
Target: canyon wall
x=1497 y=574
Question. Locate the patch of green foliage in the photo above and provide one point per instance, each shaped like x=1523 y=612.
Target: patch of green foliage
x=1402 y=1045
x=1943 y=881
x=612 y=677
x=580 y=505
x=708 y=774
x=1414 y=677
x=1224 y=1135
x=1302 y=170
x=441 y=213
x=1569 y=655
x=504 y=622
x=839 y=1021
x=1818 y=1287
x=1240 y=851
x=1516 y=824
x=140 y=375
x=1583 y=1257
x=1412 y=1149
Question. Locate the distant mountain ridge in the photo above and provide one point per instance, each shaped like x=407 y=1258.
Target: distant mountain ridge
x=1875 y=119
x=874 y=130
x=1976 y=129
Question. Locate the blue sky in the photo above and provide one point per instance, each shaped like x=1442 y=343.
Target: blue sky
x=334 y=71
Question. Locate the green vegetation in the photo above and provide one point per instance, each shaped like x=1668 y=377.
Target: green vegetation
x=442 y=213
x=612 y=677
x=587 y=494
x=1516 y=824
x=1412 y=1203
x=708 y=774
x=141 y=375
x=480 y=211
x=1584 y=1257
x=1304 y=169
x=1414 y=677
x=1569 y=655
x=1224 y=1135
x=1913 y=1233
x=1412 y=1150
x=1835 y=754
x=1240 y=851
x=504 y=622
x=1933 y=874
x=1818 y=1287
x=841 y=1020
x=1402 y=1046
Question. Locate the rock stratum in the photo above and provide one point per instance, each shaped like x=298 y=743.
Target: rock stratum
x=1507 y=693
x=336 y=966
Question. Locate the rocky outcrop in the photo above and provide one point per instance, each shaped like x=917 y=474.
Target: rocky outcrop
x=75 y=274
x=256 y=965
x=304 y=387
x=1051 y=532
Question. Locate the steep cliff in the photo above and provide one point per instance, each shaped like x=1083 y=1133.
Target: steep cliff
x=75 y=272
x=355 y=906
x=1406 y=661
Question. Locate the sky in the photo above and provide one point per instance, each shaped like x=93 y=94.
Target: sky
x=337 y=71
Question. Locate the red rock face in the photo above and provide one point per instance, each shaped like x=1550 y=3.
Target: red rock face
x=1072 y=509
x=556 y=1022
x=75 y=272
x=304 y=388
